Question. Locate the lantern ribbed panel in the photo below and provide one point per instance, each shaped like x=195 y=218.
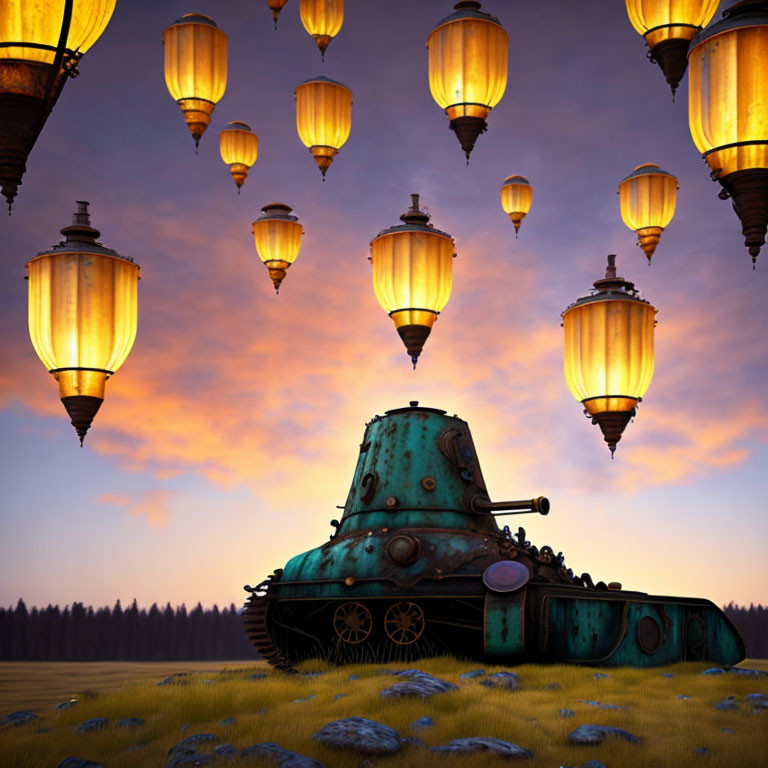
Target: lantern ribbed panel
x=468 y=62
x=40 y=22
x=323 y=113
x=648 y=200
x=195 y=61
x=82 y=310
x=412 y=270
x=648 y=14
x=277 y=240
x=728 y=98
x=238 y=145
x=322 y=17
x=516 y=196
x=609 y=348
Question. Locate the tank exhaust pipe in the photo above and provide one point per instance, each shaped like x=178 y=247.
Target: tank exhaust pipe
x=481 y=505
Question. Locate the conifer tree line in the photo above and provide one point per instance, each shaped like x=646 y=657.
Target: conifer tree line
x=77 y=633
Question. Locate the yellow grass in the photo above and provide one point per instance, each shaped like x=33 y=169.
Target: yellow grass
x=265 y=710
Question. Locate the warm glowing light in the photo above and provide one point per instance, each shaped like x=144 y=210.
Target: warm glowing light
x=647 y=202
x=728 y=111
x=82 y=315
x=516 y=196
x=609 y=352
x=322 y=19
x=195 y=68
x=323 y=118
x=468 y=69
x=276 y=6
x=412 y=275
x=668 y=26
x=277 y=235
x=239 y=149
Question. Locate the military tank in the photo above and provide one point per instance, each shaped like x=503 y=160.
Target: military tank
x=419 y=566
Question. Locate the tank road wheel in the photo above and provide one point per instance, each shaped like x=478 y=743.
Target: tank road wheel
x=352 y=623
x=404 y=623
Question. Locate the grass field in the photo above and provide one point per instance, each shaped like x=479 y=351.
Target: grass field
x=278 y=709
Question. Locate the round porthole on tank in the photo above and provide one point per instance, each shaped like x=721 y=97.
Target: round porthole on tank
x=403 y=549
x=648 y=635
x=695 y=632
x=506 y=576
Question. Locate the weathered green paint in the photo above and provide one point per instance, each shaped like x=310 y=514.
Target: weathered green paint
x=504 y=625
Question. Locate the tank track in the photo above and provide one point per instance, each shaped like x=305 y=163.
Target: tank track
x=255 y=620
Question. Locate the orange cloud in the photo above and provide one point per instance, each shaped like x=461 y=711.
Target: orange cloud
x=152 y=505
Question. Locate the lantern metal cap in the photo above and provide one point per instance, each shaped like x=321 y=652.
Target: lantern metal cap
x=324 y=79
x=747 y=13
x=414 y=220
x=237 y=125
x=647 y=169
x=516 y=179
x=468 y=9
x=412 y=406
x=81 y=237
x=277 y=211
x=195 y=18
x=611 y=287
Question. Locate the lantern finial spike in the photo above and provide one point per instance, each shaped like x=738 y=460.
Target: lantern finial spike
x=612 y=447
x=610 y=270
x=414 y=360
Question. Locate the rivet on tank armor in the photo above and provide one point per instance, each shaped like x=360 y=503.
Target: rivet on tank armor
x=429 y=483
x=391 y=502
x=349 y=581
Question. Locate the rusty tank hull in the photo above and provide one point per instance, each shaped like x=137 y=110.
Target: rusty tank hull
x=419 y=566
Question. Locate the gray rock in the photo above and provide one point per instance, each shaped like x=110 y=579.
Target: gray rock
x=507 y=680
x=726 y=730
x=600 y=675
x=683 y=697
x=714 y=671
x=667 y=674
x=552 y=687
x=418 y=684
x=228 y=721
x=412 y=741
x=308 y=698
x=593 y=764
x=130 y=722
x=43 y=730
x=354 y=677
x=178 y=678
x=182 y=756
x=226 y=750
x=338 y=696
x=283 y=758
x=567 y=713
x=78 y=762
x=729 y=702
x=758 y=700
x=314 y=674
x=596 y=734
x=481 y=744
x=601 y=706
x=197 y=738
x=701 y=751
x=66 y=704
x=19 y=718
x=423 y=722
x=472 y=674
x=94 y=724
x=746 y=672
x=134 y=748
x=361 y=735
x=258 y=675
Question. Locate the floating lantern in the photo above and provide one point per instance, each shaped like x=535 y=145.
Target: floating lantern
x=516 y=196
x=195 y=68
x=239 y=149
x=412 y=275
x=322 y=19
x=82 y=315
x=668 y=26
x=647 y=202
x=277 y=235
x=609 y=352
x=323 y=118
x=41 y=44
x=468 y=69
x=276 y=6
x=728 y=111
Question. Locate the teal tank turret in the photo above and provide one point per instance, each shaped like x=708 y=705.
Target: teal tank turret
x=419 y=566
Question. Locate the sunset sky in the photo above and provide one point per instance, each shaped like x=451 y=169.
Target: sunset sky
x=230 y=434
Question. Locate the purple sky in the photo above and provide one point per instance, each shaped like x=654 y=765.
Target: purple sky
x=230 y=433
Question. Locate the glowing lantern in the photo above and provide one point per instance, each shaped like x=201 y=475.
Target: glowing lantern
x=277 y=235
x=239 y=150
x=276 y=6
x=322 y=19
x=82 y=315
x=195 y=68
x=412 y=275
x=609 y=352
x=468 y=69
x=647 y=202
x=323 y=118
x=516 y=196
x=728 y=111
x=41 y=44
x=668 y=26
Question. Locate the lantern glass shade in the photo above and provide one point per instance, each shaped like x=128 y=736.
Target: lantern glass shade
x=468 y=53
x=323 y=118
x=660 y=20
x=39 y=23
x=195 y=68
x=647 y=200
x=413 y=275
x=277 y=236
x=82 y=313
x=516 y=196
x=322 y=19
x=239 y=149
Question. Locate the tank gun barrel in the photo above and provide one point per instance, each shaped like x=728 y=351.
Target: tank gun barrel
x=538 y=505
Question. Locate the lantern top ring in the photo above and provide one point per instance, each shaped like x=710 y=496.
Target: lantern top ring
x=516 y=180
x=468 y=10
x=609 y=295
x=748 y=13
x=277 y=211
x=196 y=18
x=647 y=169
x=237 y=125
x=412 y=228
x=324 y=79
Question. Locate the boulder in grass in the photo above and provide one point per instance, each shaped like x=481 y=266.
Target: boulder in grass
x=228 y=721
x=596 y=734
x=78 y=762
x=472 y=674
x=283 y=758
x=66 y=704
x=130 y=722
x=601 y=706
x=729 y=702
x=567 y=713
x=758 y=700
x=600 y=675
x=496 y=746
x=507 y=680
x=423 y=722
x=258 y=675
x=94 y=724
x=19 y=718
x=667 y=674
x=359 y=734
x=197 y=738
x=177 y=678
x=186 y=757
x=746 y=672
x=714 y=671
x=417 y=684
x=226 y=750
x=593 y=764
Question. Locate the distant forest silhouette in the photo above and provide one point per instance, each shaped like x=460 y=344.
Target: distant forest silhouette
x=77 y=633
